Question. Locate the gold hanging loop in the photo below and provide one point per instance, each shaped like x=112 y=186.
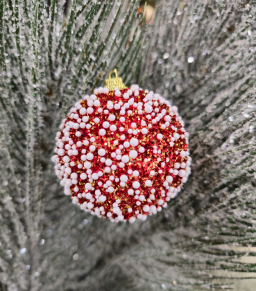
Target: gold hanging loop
x=116 y=82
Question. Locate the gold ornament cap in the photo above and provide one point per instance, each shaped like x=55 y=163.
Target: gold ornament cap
x=116 y=82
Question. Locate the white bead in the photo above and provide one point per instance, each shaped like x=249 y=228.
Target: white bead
x=107 y=169
x=142 y=197
x=90 y=103
x=83 y=176
x=126 y=144
x=110 y=189
x=111 y=117
x=117 y=93
x=182 y=173
x=93 y=97
x=73 y=175
x=106 y=124
x=122 y=184
x=90 y=110
x=90 y=205
x=132 y=219
x=124 y=178
x=125 y=159
x=134 y=142
x=153 y=209
x=67 y=146
x=101 y=152
x=75 y=152
x=133 y=154
x=130 y=191
x=175 y=172
x=160 y=202
x=110 y=105
x=159 y=136
x=92 y=148
x=133 y=124
x=144 y=131
x=125 y=96
x=121 y=165
x=148 y=183
x=61 y=152
x=183 y=165
x=82 y=111
x=117 y=106
x=136 y=184
x=68 y=170
x=95 y=176
x=136 y=93
x=87 y=165
x=113 y=127
x=169 y=179
x=177 y=165
x=85 y=118
x=75 y=200
x=148 y=108
x=146 y=208
x=183 y=154
x=83 y=157
x=102 y=132
x=141 y=149
x=85 y=97
x=108 y=162
x=176 y=135
x=90 y=156
x=167 y=118
x=96 y=103
x=66 y=159
x=88 y=186
x=122 y=112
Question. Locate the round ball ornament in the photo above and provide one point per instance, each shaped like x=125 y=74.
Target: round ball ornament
x=122 y=153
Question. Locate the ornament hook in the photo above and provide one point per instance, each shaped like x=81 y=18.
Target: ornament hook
x=116 y=82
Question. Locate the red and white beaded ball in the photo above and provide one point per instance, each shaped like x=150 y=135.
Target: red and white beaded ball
x=122 y=154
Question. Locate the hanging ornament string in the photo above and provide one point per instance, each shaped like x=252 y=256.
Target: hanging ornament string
x=122 y=153
x=112 y=83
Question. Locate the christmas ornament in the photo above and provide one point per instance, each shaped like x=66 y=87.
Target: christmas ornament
x=122 y=153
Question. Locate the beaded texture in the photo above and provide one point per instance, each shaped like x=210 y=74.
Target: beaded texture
x=122 y=154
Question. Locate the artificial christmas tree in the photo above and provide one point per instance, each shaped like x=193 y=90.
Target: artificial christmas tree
x=199 y=55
